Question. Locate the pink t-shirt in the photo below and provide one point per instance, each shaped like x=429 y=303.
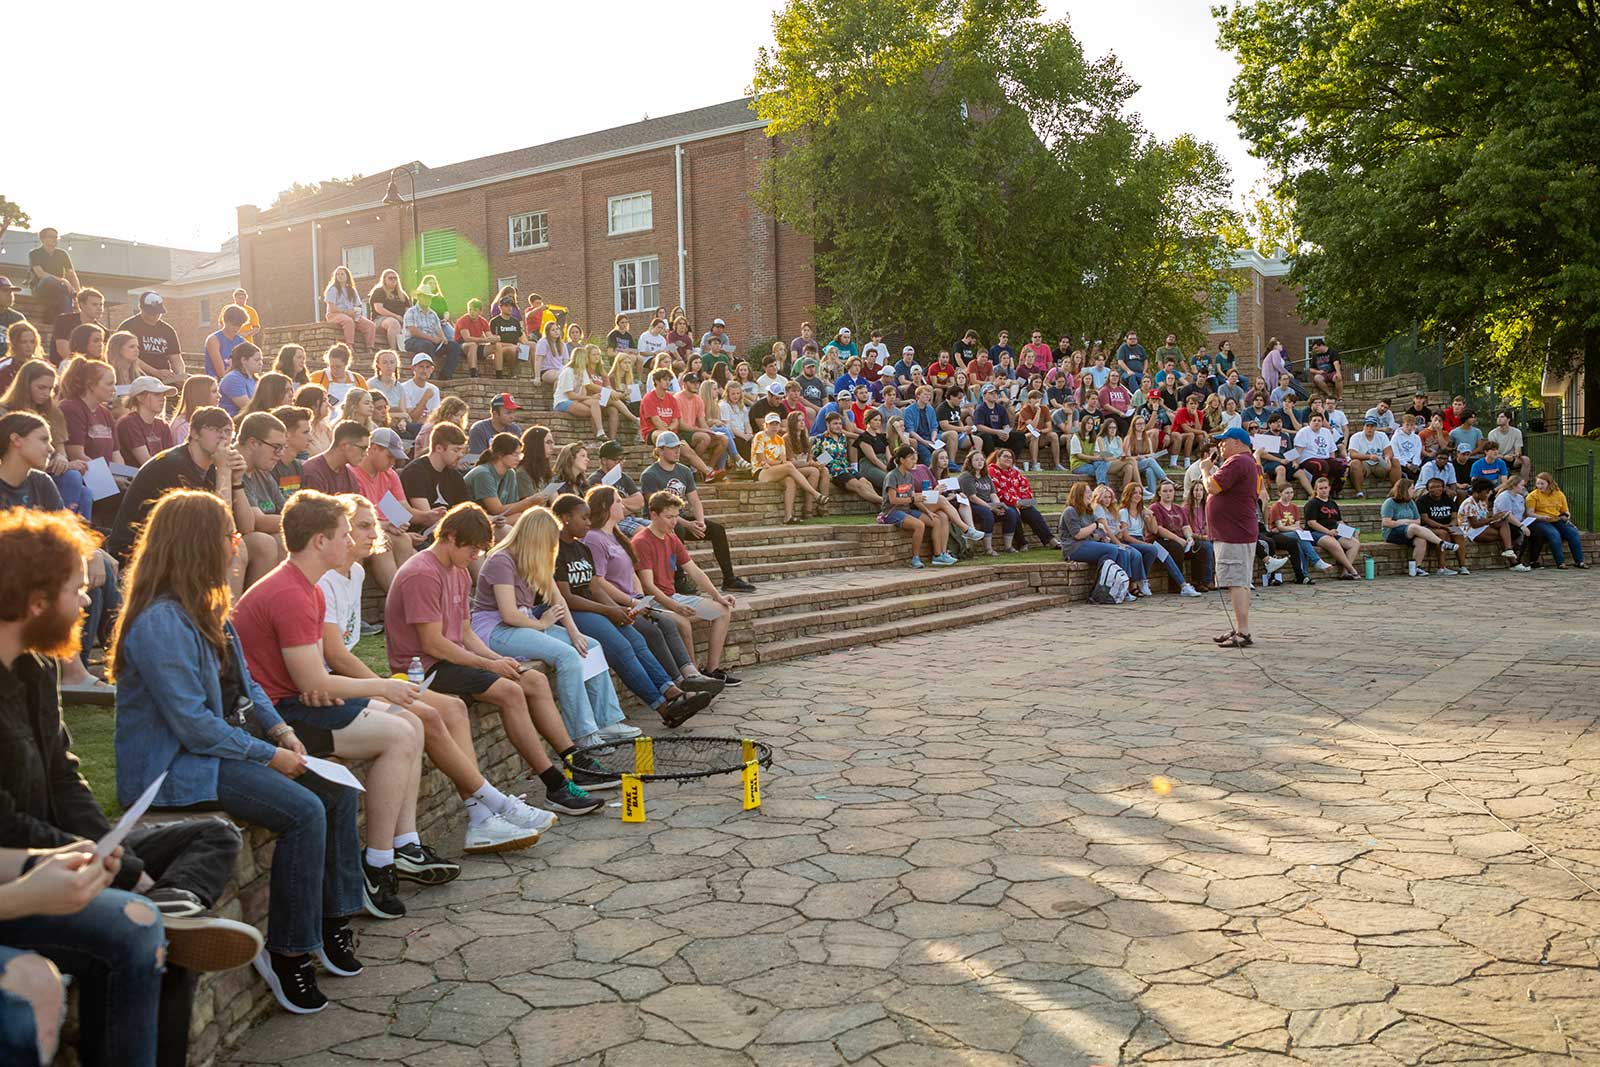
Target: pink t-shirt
x=424 y=590
x=611 y=561
x=660 y=556
x=664 y=408
x=282 y=610
x=1115 y=396
x=374 y=486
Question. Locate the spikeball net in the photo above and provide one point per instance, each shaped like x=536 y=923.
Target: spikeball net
x=677 y=759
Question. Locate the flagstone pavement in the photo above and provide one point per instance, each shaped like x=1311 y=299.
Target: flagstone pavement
x=1082 y=837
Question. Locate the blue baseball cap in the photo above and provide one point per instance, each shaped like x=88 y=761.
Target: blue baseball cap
x=1235 y=434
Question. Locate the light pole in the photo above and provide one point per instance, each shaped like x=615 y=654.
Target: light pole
x=392 y=198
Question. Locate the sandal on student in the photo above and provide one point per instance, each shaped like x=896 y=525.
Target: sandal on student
x=1223 y=639
x=1238 y=640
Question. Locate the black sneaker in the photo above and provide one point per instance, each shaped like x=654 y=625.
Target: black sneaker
x=338 y=951
x=701 y=683
x=674 y=713
x=175 y=903
x=293 y=981
x=724 y=677
x=572 y=800
x=592 y=777
x=380 y=891
x=737 y=585
x=421 y=864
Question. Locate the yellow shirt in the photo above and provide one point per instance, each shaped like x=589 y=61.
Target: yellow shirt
x=1548 y=505
x=768 y=450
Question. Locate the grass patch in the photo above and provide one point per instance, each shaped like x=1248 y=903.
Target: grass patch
x=841 y=520
x=93 y=729
x=372 y=652
x=1034 y=554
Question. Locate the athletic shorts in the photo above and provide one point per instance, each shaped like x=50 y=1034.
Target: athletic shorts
x=843 y=480
x=459 y=681
x=315 y=726
x=1236 y=564
x=1396 y=535
x=702 y=607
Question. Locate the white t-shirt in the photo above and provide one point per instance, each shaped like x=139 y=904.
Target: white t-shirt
x=1408 y=448
x=1340 y=422
x=411 y=394
x=736 y=418
x=1513 y=504
x=765 y=382
x=1369 y=447
x=1509 y=439
x=649 y=342
x=567 y=382
x=343 y=599
x=1385 y=418
x=1314 y=444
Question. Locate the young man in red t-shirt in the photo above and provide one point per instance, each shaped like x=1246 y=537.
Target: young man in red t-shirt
x=1188 y=430
x=660 y=555
x=475 y=338
x=279 y=622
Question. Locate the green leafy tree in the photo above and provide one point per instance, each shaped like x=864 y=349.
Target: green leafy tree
x=961 y=163
x=11 y=214
x=1441 y=163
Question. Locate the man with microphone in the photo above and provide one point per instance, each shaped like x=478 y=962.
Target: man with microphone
x=1232 y=518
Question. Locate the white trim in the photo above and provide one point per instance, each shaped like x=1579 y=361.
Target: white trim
x=1250 y=259
x=513 y=175
x=637 y=262
x=612 y=203
x=511 y=232
x=1311 y=341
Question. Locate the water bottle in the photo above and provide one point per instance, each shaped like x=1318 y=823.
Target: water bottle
x=414 y=670
x=1372 y=568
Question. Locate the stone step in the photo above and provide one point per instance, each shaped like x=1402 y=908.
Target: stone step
x=884 y=609
x=878 y=632
x=813 y=594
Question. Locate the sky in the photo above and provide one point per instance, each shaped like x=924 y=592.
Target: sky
x=207 y=128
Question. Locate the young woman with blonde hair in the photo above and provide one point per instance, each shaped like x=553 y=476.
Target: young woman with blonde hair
x=199 y=391
x=452 y=410
x=577 y=392
x=1140 y=532
x=342 y=307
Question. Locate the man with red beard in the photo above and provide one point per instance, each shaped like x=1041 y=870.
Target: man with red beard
x=178 y=870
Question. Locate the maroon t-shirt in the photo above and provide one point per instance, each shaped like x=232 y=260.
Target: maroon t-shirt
x=133 y=431
x=93 y=428
x=1231 y=515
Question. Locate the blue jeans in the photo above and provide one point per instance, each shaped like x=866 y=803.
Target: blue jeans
x=1553 y=534
x=316 y=865
x=19 y=1029
x=733 y=445
x=1100 y=468
x=585 y=706
x=75 y=493
x=448 y=354
x=116 y=963
x=1156 y=554
x=97 y=621
x=1208 y=560
x=1096 y=552
x=985 y=517
x=628 y=655
x=1151 y=469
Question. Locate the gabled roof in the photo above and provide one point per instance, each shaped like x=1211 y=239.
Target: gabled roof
x=619 y=140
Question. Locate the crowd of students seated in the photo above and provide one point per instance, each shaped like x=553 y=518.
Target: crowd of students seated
x=209 y=537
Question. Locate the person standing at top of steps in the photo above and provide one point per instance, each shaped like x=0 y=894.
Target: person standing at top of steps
x=666 y=473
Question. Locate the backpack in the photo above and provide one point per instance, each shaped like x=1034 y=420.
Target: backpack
x=1112 y=585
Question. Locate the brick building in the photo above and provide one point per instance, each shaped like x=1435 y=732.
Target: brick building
x=1265 y=306
x=656 y=213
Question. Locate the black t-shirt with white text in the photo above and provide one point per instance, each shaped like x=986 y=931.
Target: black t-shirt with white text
x=1441 y=510
x=507 y=330
x=445 y=488
x=575 y=566
x=158 y=341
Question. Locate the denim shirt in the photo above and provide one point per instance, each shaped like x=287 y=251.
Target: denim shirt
x=169 y=710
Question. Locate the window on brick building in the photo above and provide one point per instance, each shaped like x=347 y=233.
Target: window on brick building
x=358 y=261
x=638 y=283
x=1226 y=320
x=529 y=231
x=630 y=214
x=1258 y=289
x=205 y=310
x=438 y=248
x=501 y=283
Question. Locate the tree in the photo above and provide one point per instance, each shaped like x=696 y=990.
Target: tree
x=306 y=190
x=960 y=163
x=11 y=215
x=1442 y=163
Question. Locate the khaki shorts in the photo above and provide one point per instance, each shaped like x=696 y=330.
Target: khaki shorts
x=1236 y=564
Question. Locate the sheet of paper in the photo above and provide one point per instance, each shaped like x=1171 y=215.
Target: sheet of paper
x=1032 y=432
x=1292 y=454
x=1529 y=521
x=122 y=470
x=1306 y=535
x=1346 y=530
x=605 y=395
x=930 y=495
x=552 y=489
x=961 y=498
x=1269 y=441
x=524 y=352
x=939 y=446
x=612 y=476
x=108 y=844
x=98 y=479
x=595 y=662
x=951 y=484
x=427 y=681
x=394 y=511
x=634 y=393
x=337 y=773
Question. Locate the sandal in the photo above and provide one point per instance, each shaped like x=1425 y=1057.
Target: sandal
x=1238 y=640
x=1223 y=639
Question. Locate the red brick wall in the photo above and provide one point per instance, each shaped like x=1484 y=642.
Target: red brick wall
x=741 y=265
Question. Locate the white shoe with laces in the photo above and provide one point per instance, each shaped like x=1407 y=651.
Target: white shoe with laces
x=498 y=834
x=619 y=731
x=1275 y=564
x=1188 y=590
x=1447 y=572
x=1520 y=567
x=1508 y=554
x=520 y=813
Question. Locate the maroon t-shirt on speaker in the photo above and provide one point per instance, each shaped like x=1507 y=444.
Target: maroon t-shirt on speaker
x=1231 y=515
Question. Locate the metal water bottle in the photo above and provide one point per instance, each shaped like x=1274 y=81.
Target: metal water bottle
x=1371 y=568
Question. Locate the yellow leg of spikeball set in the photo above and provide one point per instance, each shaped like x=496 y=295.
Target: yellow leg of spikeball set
x=632 y=798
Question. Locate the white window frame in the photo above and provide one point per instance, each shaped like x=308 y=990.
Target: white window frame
x=1258 y=290
x=1309 y=342
x=542 y=228
x=1227 y=320
x=205 y=310
x=634 y=221
x=422 y=250
x=501 y=283
x=646 y=296
x=346 y=254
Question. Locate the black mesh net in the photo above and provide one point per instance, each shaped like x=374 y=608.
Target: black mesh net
x=677 y=758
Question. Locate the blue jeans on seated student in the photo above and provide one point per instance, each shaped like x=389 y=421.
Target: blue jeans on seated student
x=1553 y=534
x=104 y=600
x=628 y=655
x=316 y=868
x=1156 y=554
x=1151 y=469
x=447 y=354
x=1097 y=552
x=116 y=960
x=75 y=493
x=585 y=706
x=733 y=445
x=19 y=1028
x=1098 y=467
x=984 y=518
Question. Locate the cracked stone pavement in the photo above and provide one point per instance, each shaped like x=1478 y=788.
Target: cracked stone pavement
x=961 y=859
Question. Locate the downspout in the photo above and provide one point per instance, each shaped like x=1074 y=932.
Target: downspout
x=677 y=163
x=316 y=272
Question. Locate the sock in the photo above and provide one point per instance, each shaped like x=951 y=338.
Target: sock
x=402 y=840
x=569 y=750
x=380 y=857
x=554 y=781
x=478 y=811
x=491 y=799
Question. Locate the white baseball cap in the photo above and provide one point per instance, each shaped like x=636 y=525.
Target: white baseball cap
x=421 y=357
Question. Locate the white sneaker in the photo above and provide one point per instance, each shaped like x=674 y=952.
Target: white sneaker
x=1415 y=571
x=1324 y=565
x=1448 y=546
x=973 y=534
x=619 y=731
x=498 y=834
x=521 y=813
x=1276 y=563
x=1463 y=570
x=1520 y=567
x=1188 y=590
x=1144 y=589
x=1447 y=572
x=1508 y=554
